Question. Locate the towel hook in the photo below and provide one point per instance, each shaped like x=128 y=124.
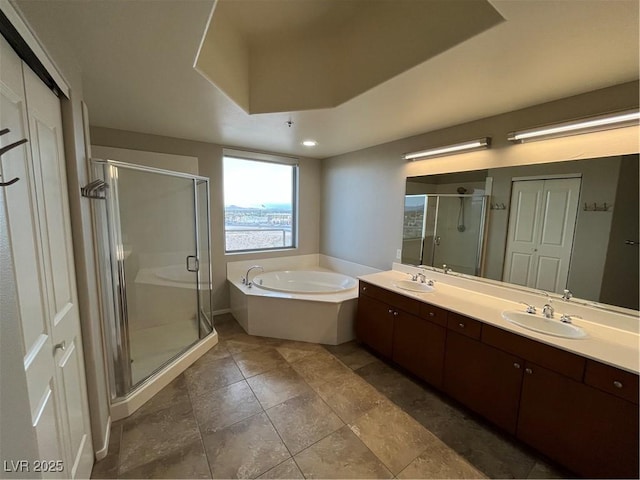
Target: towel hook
x=5 y=149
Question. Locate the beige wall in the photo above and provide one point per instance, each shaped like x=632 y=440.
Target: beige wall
x=210 y=165
x=363 y=191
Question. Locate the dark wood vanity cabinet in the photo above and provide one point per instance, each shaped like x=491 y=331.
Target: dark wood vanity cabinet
x=579 y=412
x=374 y=325
x=405 y=330
x=485 y=379
x=418 y=346
x=593 y=433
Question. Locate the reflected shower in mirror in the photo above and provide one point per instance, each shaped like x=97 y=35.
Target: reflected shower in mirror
x=566 y=225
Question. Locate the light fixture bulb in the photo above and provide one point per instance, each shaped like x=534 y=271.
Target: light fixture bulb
x=309 y=143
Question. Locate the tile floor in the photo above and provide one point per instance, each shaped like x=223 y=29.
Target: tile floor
x=256 y=407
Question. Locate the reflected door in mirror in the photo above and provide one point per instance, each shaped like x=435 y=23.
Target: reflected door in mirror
x=540 y=236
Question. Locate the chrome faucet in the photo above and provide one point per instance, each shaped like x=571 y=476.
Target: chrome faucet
x=548 y=310
x=245 y=279
x=421 y=277
x=446 y=270
x=530 y=308
x=567 y=294
x=566 y=318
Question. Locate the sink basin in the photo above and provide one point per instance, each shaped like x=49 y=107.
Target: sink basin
x=549 y=326
x=414 y=286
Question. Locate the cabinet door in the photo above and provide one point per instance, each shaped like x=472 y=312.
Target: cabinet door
x=591 y=432
x=374 y=325
x=485 y=379
x=418 y=346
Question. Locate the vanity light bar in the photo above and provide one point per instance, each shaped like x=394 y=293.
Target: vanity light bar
x=592 y=124
x=468 y=146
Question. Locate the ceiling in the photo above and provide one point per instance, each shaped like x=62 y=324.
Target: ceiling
x=285 y=56
x=137 y=61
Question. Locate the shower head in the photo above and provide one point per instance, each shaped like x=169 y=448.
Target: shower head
x=461 y=190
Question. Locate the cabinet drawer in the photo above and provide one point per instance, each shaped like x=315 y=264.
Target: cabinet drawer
x=396 y=300
x=433 y=314
x=464 y=325
x=612 y=380
x=552 y=358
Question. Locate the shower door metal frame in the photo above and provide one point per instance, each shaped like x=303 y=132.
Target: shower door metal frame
x=117 y=336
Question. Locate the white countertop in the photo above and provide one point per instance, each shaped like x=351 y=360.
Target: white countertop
x=618 y=347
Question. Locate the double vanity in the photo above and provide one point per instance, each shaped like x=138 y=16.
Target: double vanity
x=567 y=388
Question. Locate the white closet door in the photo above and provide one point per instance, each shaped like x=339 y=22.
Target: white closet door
x=542 y=222
x=40 y=236
x=24 y=233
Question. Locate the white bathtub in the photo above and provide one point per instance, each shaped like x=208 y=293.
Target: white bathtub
x=175 y=273
x=316 y=306
x=304 y=281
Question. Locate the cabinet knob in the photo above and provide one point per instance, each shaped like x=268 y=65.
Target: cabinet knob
x=516 y=365
x=617 y=384
x=528 y=370
x=395 y=314
x=364 y=289
x=390 y=311
x=431 y=314
x=461 y=325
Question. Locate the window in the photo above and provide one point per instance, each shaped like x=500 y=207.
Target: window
x=259 y=203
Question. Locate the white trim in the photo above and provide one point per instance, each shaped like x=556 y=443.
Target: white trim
x=20 y=24
x=258 y=156
x=102 y=453
x=547 y=177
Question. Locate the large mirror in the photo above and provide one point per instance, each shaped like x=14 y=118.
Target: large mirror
x=566 y=225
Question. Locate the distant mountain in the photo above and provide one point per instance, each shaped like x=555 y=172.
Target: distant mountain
x=274 y=207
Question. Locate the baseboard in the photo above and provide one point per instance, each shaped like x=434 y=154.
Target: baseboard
x=100 y=454
x=221 y=311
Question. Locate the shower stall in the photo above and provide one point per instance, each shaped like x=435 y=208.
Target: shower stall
x=153 y=232
x=445 y=229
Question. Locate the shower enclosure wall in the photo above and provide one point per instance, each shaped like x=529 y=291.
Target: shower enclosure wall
x=154 y=237
x=445 y=229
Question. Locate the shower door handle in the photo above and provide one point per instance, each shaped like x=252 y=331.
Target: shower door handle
x=193 y=264
x=438 y=240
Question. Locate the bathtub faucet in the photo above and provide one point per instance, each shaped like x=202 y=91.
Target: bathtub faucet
x=245 y=279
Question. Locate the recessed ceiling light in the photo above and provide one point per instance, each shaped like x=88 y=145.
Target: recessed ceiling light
x=310 y=143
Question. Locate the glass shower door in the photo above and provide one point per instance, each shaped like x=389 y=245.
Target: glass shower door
x=459 y=232
x=158 y=265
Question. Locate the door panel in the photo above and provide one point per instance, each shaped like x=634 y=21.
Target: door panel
x=527 y=207
x=520 y=268
x=548 y=273
x=21 y=209
x=554 y=220
x=29 y=270
x=47 y=148
x=45 y=423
